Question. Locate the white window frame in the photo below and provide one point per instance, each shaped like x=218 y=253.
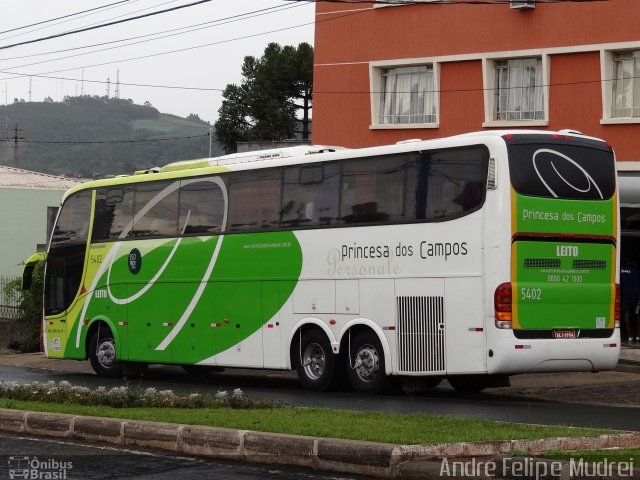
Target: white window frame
x=489 y=81
x=608 y=83
x=376 y=71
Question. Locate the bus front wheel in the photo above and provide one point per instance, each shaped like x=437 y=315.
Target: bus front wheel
x=316 y=362
x=366 y=367
x=102 y=354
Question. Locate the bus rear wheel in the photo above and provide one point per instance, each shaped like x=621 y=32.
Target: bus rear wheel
x=103 y=355
x=366 y=367
x=316 y=362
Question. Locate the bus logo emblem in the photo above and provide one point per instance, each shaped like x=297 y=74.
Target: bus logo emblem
x=135 y=261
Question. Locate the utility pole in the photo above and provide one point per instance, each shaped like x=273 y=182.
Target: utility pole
x=118 y=84
x=210 y=139
x=13 y=142
x=108 y=86
x=6 y=108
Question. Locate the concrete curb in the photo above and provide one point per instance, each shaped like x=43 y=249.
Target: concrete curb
x=378 y=460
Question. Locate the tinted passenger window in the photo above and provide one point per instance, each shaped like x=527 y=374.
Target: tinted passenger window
x=201 y=207
x=372 y=190
x=446 y=184
x=254 y=200
x=311 y=195
x=73 y=221
x=155 y=210
x=113 y=212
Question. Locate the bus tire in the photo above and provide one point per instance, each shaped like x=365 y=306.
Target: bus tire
x=468 y=383
x=102 y=354
x=366 y=368
x=316 y=363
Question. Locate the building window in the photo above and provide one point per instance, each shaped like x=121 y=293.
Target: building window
x=626 y=84
x=519 y=93
x=408 y=95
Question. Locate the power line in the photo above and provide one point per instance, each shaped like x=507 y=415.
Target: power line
x=177 y=87
x=156 y=54
x=102 y=142
x=440 y=2
x=243 y=37
x=338 y=92
x=103 y=25
x=88 y=15
x=45 y=143
x=64 y=16
x=44 y=74
x=200 y=26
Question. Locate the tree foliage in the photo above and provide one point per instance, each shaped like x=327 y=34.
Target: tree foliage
x=29 y=318
x=275 y=89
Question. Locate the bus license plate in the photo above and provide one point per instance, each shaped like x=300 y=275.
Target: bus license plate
x=564 y=334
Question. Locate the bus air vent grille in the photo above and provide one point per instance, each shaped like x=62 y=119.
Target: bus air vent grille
x=492 y=182
x=421 y=334
x=590 y=264
x=541 y=263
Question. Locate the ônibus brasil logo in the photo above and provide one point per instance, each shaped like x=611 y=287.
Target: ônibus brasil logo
x=27 y=468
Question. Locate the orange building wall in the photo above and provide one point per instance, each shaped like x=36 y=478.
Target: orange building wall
x=356 y=34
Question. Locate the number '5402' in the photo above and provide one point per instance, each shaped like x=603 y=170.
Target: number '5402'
x=530 y=294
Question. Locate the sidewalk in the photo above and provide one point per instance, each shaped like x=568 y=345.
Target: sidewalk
x=630 y=353
x=620 y=387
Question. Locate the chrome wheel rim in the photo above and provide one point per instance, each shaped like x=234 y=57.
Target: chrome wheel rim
x=367 y=363
x=314 y=361
x=106 y=353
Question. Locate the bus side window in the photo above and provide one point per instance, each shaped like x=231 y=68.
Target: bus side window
x=373 y=190
x=254 y=200
x=201 y=208
x=310 y=195
x=158 y=209
x=447 y=184
x=113 y=212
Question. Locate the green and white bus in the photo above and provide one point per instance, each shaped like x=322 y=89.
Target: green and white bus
x=470 y=258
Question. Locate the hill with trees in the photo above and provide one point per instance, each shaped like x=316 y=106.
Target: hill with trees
x=92 y=137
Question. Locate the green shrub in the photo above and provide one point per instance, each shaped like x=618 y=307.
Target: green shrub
x=125 y=397
x=29 y=320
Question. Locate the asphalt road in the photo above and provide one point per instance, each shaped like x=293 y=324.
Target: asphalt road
x=85 y=461
x=283 y=386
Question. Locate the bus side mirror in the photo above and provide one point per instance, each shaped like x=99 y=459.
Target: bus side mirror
x=29 y=267
x=27 y=276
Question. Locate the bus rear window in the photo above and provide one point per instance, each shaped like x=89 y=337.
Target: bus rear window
x=578 y=171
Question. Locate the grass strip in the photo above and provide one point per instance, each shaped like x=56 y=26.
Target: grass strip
x=398 y=429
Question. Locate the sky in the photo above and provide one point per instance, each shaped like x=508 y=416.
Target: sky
x=214 y=37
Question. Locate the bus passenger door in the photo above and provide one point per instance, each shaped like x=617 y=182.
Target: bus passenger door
x=55 y=327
